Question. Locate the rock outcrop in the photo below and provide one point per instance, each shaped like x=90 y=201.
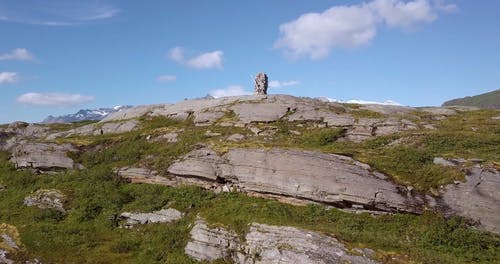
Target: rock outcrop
x=261 y=83
x=477 y=198
x=265 y=244
x=47 y=199
x=300 y=175
x=98 y=129
x=9 y=242
x=271 y=108
x=43 y=156
x=162 y=216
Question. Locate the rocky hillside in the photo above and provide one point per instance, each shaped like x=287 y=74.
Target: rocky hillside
x=490 y=100
x=254 y=179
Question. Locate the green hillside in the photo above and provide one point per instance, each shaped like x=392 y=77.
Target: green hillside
x=490 y=100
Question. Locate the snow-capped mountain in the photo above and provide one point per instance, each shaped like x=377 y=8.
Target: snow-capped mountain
x=84 y=114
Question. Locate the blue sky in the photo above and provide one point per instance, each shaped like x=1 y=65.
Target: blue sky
x=58 y=56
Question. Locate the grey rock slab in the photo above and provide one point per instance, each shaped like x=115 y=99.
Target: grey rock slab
x=477 y=198
x=171 y=137
x=130 y=113
x=266 y=244
x=117 y=127
x=162 y=216
x=388 y=109
x=259 y=112
x=142 y=175
x=45 y=199
x=9 y=241
x=444 y=162
x=203 y=163
x=4 y=257
x=210 y=243
x=283 y=244
x=96 y=129
x=439 y=111
x=236 y=137
x=43 y=156
x=339 y=120
x=207 y=117
x=325 y=178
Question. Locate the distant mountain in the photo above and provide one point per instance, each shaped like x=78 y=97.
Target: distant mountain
x=84 y=114
x=489 y=100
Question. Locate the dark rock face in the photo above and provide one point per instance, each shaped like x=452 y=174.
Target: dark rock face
x=261 y=83
x=266 y=244
x=300 y=175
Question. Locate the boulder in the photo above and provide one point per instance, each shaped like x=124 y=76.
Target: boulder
x=300 y=175
x=47 y=199
x=266 y=244
x=161 y=216
x=477 y=198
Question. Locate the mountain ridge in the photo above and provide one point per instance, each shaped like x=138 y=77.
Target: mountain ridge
x=96 y=114
x=489 y=100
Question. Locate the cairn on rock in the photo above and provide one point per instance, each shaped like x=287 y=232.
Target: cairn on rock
x=260 y=84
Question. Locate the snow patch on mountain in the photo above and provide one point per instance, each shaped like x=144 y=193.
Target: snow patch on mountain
x=85 y=114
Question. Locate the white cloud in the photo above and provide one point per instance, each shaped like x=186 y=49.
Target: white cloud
x=17 y=54
x=9 y=77
x=208 y=60
x=445 y=7
x=398 y=14
x=54 y=99
x=167 y=78
x=314 y=35
x=57 y=12
x=278 y=84
x=232 y=90
x=357 y=101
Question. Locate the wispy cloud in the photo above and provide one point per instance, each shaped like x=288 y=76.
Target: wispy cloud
x=232 y=90
x=208 y=60
x=280 y=84
x=166 y=78
x=54 y=99
x=314 y=35
x=56 y=12
x=9 y=77
x=17 y=54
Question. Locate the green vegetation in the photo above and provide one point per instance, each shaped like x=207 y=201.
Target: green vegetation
x=487 y=100
x=89 y=233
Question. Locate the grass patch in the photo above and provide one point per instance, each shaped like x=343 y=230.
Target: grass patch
x=89 y=232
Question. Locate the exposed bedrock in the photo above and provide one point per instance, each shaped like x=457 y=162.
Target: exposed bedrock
x=268 y=244
x=43 y=156
x=305 y=175
x=477 y=198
